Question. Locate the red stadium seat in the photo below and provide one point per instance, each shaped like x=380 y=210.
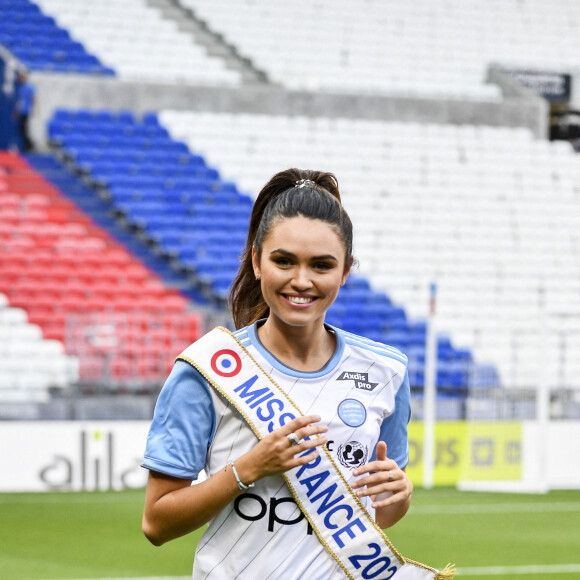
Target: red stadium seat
x=59 y=266
x=174 y=303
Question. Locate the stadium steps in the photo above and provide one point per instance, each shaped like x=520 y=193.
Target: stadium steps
x=87 y=198
x=166 y=195
x=145 y=193
x=83 y=288
x=213 y=42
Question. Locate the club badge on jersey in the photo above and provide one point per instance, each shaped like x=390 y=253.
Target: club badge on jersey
x=338 y=518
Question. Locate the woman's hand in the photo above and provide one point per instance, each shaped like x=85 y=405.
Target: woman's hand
x=174 y=507
x=276 y=453
x=388 y=486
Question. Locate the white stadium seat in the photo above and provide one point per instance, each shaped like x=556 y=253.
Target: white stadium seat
x=29 y=364
x=135 y=40
x=475 y=209
x=418 y=48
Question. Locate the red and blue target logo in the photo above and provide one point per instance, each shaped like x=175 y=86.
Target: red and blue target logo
x=226 y=363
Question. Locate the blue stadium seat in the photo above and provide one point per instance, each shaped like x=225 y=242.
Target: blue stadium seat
x=41 y=44
x=183 y=207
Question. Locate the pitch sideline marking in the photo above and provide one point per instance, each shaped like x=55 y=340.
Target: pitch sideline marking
x=511 y=570
x=140 y=578
x=540 y=507
x=474 y=571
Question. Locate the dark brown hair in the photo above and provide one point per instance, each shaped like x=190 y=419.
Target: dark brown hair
x=285 y=196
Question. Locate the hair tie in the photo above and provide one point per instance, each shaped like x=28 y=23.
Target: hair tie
x=304 y=183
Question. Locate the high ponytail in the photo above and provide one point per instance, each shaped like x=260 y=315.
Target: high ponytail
x=290 y=193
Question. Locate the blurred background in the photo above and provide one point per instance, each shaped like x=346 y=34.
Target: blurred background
x=134 y=137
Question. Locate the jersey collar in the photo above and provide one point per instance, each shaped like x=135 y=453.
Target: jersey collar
x=280 y=366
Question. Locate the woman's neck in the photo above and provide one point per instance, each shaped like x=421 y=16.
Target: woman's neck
x=300 y=348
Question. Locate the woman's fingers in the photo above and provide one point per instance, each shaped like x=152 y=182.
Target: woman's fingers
x=384 y=482
x=285 y=447
x=301 y=428
x=377 y=482
x=376 y=467
x=300 y=423
x=379 y=476
x=381 y=451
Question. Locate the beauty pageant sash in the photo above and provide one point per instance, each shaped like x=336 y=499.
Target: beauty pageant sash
x=337 y=516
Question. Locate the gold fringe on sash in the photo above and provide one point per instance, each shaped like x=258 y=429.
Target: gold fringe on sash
x=447 y=573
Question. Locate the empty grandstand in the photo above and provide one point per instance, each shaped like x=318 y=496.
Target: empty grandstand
x=488 y=213
x=447 y=176
x=68 y=287
x=424 y=48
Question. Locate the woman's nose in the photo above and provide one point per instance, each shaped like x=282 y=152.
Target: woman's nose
x=302 y=279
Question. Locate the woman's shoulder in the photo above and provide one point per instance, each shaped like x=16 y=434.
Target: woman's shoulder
x=373 y=348
x=184 y=378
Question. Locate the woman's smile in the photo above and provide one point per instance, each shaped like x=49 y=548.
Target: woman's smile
x=302 y=266
x=300 y=300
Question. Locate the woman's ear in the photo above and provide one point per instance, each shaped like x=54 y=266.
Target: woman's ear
x=256 y=263
x=346 y=272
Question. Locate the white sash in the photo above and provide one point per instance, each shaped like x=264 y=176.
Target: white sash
x=337 y=516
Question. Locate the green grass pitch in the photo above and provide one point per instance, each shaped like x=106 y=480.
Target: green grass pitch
x=62 y=536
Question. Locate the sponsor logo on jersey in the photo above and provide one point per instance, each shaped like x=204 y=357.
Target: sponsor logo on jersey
x=279 y=510
x=361 y=380
x=352 y=412
x=352 y=454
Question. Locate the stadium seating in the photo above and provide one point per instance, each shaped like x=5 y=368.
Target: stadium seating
x=420 y=48
x=178 y=202
x=41 y=44
x=166 y=193
x=83 y=289
x=30 y=365
x=73 y=185
x=486 y=213
x=489 y=214
x=136 y=41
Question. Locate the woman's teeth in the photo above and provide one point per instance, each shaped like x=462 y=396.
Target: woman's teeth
x=300 y=299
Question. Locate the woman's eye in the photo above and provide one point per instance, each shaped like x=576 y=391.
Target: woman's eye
x=282 y=261
x=322 y=266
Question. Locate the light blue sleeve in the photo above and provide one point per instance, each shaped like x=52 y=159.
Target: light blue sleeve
x=183 y=425
x=394 y=428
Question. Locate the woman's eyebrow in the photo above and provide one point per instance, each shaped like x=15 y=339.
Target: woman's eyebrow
x=283 y=252
x=325 y=257
x=291 y=255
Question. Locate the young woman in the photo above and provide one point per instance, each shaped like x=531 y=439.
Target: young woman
x=354 y=394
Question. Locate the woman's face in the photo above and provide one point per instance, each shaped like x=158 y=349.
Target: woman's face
x=302 y=267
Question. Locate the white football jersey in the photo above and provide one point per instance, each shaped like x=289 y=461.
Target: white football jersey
x=362 y=394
